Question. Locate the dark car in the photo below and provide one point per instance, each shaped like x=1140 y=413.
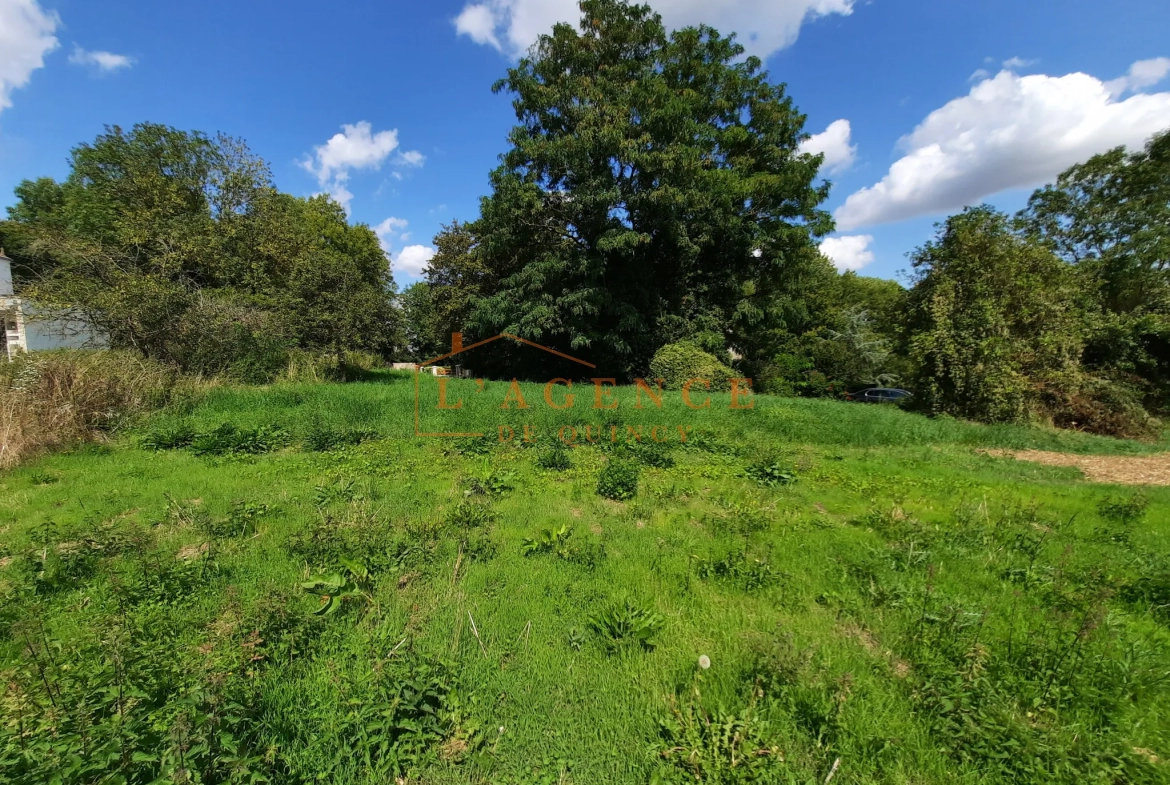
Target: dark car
x=879 y=395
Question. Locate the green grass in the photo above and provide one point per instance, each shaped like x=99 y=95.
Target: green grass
x=868 y=588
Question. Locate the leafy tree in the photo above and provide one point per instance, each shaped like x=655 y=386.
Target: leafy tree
x=1110 y=216
x=176 y=244
x=653 y=192
x=457 y=278
x=991 y=320
x=424 y=339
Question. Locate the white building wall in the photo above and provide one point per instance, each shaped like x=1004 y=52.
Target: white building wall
x=5 y=276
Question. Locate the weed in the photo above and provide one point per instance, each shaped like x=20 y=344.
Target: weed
x=738 y=569
x=170 y=437
x=625 y=624
x=720 y=747
x=1124 y=509
x=618 y=480
x=227 y=439
x=492 y=483
x=470 y=514
x=771 y=474
x=351 y=581
x=548 y=541
x=555 y=458
x=322 y=438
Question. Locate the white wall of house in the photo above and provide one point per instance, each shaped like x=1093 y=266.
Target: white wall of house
x=5 y=276
x=27 y=331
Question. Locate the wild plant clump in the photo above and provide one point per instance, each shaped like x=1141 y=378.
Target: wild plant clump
x=618 y=479
x=556 y=458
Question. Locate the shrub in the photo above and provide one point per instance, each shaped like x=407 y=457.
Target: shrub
x=618 y=480
x=676 y=363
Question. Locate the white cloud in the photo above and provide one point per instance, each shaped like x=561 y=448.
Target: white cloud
x=413 y=259
x=412 y=158
x=478 y=22
x=979 y=75
x=1012 y=63
x=26 y=36
x=1009 y=132
x=1142 y=74
x=103 y=61
x=356 y=147
x=388 y=229
x=848 y=253
x=834 y=143
x=764 y=26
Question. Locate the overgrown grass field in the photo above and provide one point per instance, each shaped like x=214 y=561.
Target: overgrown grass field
x=284 y=584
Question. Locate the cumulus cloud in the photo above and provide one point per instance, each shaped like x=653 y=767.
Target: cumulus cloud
x=1142 y=74
x=102 y=61
x=834 y=143
x=26 y=36
x=850 y=252
x=390 y=229
x=764 y=26
x=413 y=259
x=1009 y=132
x=356 y=147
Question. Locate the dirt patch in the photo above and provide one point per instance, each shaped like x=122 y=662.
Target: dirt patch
x=1117 y=469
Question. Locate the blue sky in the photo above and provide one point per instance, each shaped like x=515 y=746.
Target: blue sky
x=388 y=104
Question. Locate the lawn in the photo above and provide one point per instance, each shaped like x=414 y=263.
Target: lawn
x=286 y=584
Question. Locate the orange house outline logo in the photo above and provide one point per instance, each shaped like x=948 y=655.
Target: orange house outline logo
x=457 y=347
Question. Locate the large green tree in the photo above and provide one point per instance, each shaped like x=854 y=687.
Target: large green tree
x=178 y=245
x=1110 y=217
x=992 y=320
x=653 y=191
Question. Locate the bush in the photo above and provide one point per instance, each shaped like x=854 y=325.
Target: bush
x=676 y=363
x=51 y=399
x=216 y=338
x=618 y=480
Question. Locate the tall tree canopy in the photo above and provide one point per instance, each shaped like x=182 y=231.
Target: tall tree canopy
x=1110 y=218
x=992 y=320
x=178 y=245
x=653 y=191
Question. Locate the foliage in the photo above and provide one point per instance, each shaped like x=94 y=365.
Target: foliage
x=323 y=438
x=556 y=457
x=177 y=245
x=771 y=474
x=424 y=338
x=229 y=439
x=351 y=582
x=678 y=363
x=625 y=624
x=618 y=479
x=1108 y=217
x=719 y=748
x=653 y=190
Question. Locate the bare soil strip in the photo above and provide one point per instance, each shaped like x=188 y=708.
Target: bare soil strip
x=1118 y=469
